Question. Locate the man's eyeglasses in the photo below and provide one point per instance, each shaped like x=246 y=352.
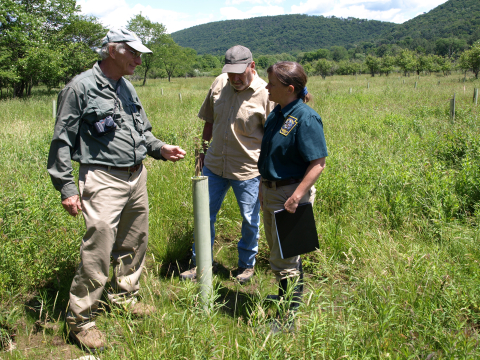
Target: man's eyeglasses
x=135 y=53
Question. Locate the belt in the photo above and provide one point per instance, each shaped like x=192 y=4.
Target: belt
x=130 y=169
x=271 y=184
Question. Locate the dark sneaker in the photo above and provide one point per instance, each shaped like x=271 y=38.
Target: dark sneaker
x=244 y=275
x=272 y=298
x=277 y=326
x=91 y=339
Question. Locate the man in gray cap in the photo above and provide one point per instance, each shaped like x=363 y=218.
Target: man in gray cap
x=235 y=111
x=102 y=124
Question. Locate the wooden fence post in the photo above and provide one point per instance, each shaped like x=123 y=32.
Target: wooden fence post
x=475 y=96
x=54 y=112
x=162 y=91
x=180 y=96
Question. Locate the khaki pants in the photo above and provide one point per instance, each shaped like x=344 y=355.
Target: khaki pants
x=115 y=209
x=274 y=199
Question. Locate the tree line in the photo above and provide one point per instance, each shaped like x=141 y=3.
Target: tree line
x=48 y=42
x=278 y=34
x=44 y=42
x=452 y=26
x=338 y=60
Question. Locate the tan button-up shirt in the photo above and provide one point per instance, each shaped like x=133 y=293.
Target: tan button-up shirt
x=238 y=119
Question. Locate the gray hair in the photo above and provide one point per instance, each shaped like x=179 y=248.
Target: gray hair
x=104 y=50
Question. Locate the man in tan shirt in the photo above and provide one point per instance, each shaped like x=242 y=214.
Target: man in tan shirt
x=235 y=111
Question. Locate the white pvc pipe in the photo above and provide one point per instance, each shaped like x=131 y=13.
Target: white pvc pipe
x=203 y=248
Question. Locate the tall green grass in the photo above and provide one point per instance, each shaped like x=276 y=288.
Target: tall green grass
x=397 y=209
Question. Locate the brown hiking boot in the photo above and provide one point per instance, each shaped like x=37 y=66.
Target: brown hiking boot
x=141 y=309
x=192 y=273
x=91 y=339
x=189 y=274
x=244 y=275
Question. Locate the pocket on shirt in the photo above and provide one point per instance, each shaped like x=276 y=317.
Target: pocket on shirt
x=103 y=108
x=248 y=121
x=96 y=110
x=218 y=108
x=135 y=109
x=133 y=106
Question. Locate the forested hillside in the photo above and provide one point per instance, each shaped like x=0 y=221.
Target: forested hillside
x=279 y=34
x=446 y=30
x=455 y=18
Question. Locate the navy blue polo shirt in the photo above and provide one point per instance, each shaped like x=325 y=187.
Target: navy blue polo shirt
x=293 y=137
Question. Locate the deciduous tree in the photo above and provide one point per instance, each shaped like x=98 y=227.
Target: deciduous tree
x=324 y=67
x=175 y=58
x=406 y=61
x=387 y=64
x=470 y=59
x=36 y=34
x=153 y=35
x=373 y=64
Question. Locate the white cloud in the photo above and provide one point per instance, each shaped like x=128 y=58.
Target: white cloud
x=231 y=13
x=268 y=2
x=236 y=2
x=397 y=11
x=359 y=11
x=101 y=8
x=116 y=13
x=313 y=7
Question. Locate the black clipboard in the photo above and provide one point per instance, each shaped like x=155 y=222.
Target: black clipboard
x=297 y=233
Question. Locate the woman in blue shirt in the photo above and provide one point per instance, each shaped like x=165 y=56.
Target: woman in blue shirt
x=292 y=158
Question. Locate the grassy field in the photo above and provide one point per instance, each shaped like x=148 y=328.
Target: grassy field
x=397 y=209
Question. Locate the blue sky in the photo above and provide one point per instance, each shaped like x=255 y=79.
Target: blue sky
x=177 y=15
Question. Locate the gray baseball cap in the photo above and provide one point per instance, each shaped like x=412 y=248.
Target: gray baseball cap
x=126 y=36
x=237 y=59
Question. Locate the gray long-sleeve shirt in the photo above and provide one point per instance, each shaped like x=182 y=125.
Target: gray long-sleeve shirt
x=88 y=98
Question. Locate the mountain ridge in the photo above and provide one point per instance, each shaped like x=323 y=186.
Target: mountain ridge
x=301 y=33
x=279 y=34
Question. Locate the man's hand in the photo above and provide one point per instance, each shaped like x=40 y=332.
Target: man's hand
x=72 y=204
x=201 y=161
x=206 y=137
x=172 y=153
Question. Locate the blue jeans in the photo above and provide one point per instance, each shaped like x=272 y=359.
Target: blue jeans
x=246 y=192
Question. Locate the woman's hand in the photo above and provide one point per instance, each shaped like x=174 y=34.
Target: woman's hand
x=291 y=205
x=311 y=175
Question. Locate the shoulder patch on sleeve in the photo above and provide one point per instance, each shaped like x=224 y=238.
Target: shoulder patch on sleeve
x=288 y=125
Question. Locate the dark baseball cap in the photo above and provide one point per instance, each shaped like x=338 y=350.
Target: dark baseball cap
x=126 y=36
x=237 y=59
